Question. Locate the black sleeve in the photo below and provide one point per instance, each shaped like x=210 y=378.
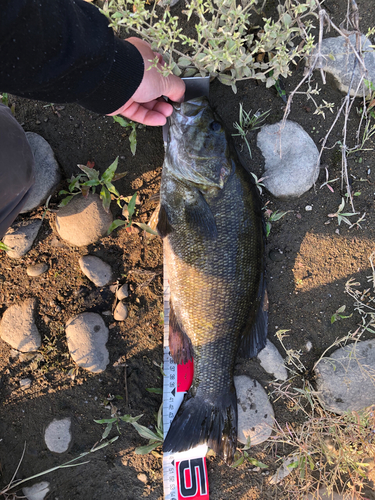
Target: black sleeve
x=63 y=51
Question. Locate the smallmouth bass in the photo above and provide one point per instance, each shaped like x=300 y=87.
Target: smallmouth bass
x=211 y=222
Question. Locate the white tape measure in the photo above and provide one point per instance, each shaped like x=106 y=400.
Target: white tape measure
x=184 y=474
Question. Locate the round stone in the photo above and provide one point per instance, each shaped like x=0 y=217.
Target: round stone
x=121 y=312
x=37 y=269
x=83 y=220
x=58 y=436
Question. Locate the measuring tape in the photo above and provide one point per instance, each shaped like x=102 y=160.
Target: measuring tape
x=185 y=473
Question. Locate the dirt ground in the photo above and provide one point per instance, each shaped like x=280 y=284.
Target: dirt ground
x=306 y=285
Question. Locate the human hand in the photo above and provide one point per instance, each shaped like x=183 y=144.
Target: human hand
x=146 y=105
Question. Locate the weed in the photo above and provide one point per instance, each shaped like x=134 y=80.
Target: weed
x=342 y=216
x=155 y=438
x=4 y=247
x=248 y=122
x=273 y=217
x=90 y=180
x=339 y=315
x=133 y=131
x=241 y=455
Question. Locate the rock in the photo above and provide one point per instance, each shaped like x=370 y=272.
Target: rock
x=47 y=172
x=83 y=221
x=121 y=312
x=255 y=413
x=142 y=477
x=296 y=169
x=338 y=61
x=25 y=383
x=37 y=491
x=95 y=269
x=345 y=380
x=58 y=436
x=18 y=327
x=325 y=495
x=20 y=237
x=123 y=292
x=37 y=269
x=87 y=335
x=272 y=361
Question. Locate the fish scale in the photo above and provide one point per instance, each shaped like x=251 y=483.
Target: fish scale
x=213 y=239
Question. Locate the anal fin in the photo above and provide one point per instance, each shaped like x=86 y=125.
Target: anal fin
x=179 y=343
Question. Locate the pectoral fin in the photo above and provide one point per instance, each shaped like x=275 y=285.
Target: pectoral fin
x=164 y=226
x=199 y=215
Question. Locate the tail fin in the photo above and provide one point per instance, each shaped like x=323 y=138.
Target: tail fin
x=200 y=420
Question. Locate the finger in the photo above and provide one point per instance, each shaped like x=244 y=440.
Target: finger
x=174 y=88
x=141 y=114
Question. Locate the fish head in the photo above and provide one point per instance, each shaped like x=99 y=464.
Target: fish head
x=197 y=147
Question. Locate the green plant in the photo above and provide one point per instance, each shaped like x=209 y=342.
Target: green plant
x=248 y=122
x=226 y=41
x=90 y=180
x=4 y=98
x=273 y=217
x=339 y=315
x=155 y=438
x=342 y=216
x=4 y=247
x=133 y=133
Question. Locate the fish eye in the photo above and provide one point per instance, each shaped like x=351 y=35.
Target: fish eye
x=215 y=126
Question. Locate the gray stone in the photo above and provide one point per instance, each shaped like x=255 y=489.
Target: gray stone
x=20 y=237
x=87 y=335
x=37 y=269
x=338 y=60
x=58 y=436
x=18 y=327
x=324 y=495
x=47 y=172
x=123 y=292
x=37 y=491
x=255 y=413
x=25 y=383
x=346 y=379
x=83 y=221
x=95 y=269
x=272 y=361
x=283 y=471
x=121 y=312
x=291 y=159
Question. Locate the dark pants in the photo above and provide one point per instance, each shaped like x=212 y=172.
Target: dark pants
x=16 y=169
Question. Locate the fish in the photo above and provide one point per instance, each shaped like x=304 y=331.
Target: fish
x=210 y=220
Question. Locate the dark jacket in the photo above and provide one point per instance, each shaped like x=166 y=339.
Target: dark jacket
x=63 y=51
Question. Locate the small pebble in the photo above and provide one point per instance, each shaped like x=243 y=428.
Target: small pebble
x=142 y=477
x=123 y=292
x=37 y=269
x=308 y=208
x=121 y=312
x=25 y=383
x=308 y=346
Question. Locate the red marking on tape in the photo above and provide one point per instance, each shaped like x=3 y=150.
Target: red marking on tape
x=185 y=373
x=192 y=482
